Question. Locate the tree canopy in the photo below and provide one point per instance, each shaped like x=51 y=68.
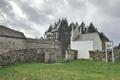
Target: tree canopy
x=91 y=28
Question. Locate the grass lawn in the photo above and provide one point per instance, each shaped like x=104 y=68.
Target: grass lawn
x=76 y=70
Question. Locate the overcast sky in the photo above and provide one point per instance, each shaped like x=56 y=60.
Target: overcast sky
x=33 y=17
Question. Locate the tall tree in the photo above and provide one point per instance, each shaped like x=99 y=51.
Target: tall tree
x=64 y=34
x=91 y=28
x=49 y=29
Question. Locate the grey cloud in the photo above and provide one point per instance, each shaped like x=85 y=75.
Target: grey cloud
x=108 y=7
x=112 y=30
x=107 y=15
x=17 y=24
x=35 y=15
x=6 y=7
x=77 y=4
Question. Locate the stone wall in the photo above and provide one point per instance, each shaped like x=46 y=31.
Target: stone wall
x=9 y=43
x=100 y=55
x=71 y=55
x=37 y=43
x=50 y=57
x=25 y=55
x=12 y=40
x=97 y=55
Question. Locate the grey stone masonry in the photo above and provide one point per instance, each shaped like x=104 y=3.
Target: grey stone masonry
x=25 y=55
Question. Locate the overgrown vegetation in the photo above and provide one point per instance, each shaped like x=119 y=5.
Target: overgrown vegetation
x=76 y=70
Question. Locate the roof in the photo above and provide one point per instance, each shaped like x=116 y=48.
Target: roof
x=87 y=36
x=103 y=37
x=91 y=36
x=7 y=32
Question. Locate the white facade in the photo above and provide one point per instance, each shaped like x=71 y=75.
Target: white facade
x=97 y=43
x=83 y=43
x=83 y=48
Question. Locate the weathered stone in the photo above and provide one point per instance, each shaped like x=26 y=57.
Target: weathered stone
x=100 y=55
x=25 y=55
x=70 y=55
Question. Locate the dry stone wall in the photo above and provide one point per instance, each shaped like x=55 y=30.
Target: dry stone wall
x=100 y=55
x=18 y=56
x=8 y=43
x=71 y=55
x=37 y=43
x=24 y=55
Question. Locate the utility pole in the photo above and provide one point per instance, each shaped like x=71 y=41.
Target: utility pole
x=106 y=55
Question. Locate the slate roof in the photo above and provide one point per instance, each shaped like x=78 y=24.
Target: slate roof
x=91 y=36
x=7 y=32
x=87 y=36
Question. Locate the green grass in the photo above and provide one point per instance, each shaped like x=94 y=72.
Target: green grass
x=76 y=70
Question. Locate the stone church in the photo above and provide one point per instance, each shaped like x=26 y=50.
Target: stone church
x=85 y=39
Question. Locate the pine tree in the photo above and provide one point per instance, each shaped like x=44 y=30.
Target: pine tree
x=49 y=29
x=91 y=28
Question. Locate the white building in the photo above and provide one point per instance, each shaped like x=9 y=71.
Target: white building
x=84 y=43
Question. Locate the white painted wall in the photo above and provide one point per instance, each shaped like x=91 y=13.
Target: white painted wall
x=83 y=48
x=97 y=43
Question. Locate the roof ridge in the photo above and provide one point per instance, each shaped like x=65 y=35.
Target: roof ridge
x=6 y=31
x=9 y=28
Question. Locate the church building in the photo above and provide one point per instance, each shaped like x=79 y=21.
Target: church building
x=85 y=39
